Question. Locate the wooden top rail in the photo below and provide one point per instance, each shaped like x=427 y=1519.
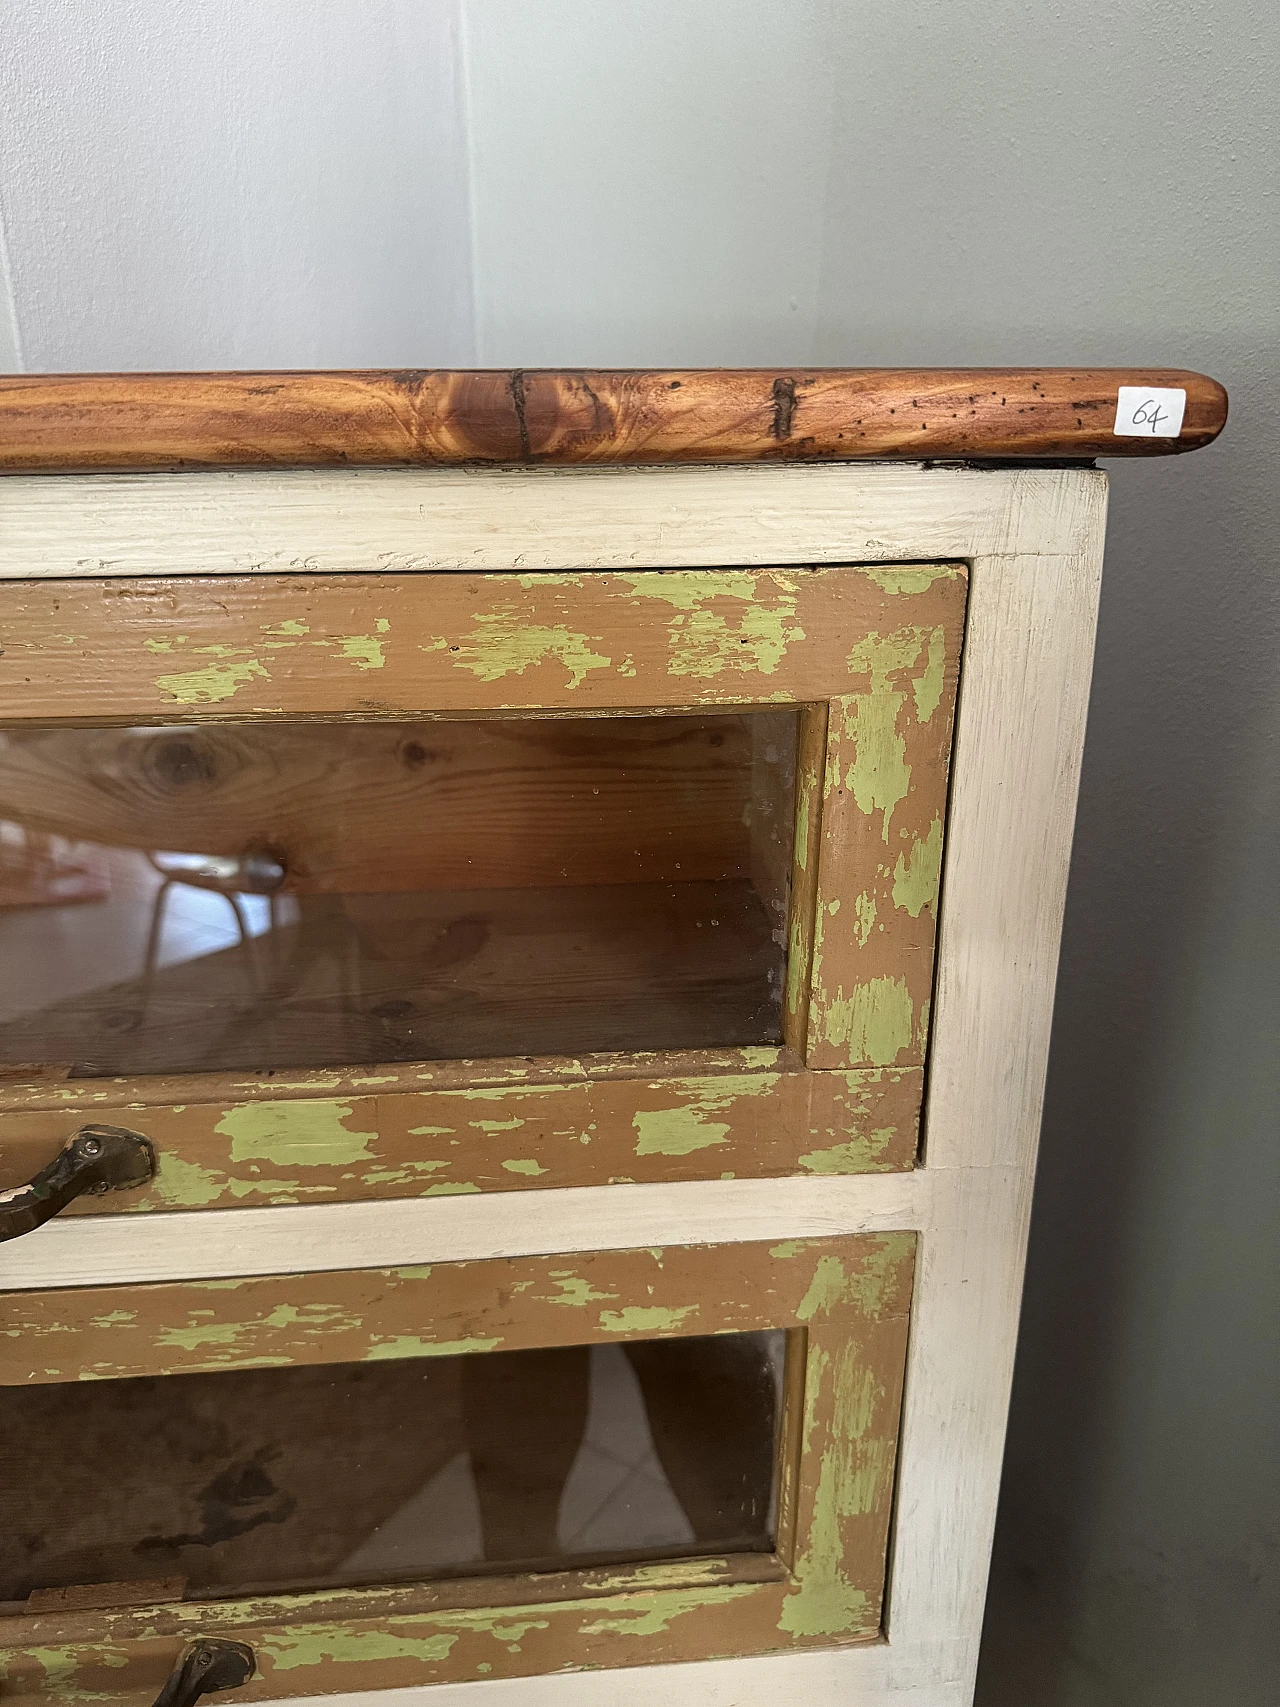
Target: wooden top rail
x=68 y=422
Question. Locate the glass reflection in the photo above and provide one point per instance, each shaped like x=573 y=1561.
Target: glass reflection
x=267 y=1479
x=318 y=894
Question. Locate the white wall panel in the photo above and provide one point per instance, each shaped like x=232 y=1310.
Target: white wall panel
x=649 y=180
x=227 y=183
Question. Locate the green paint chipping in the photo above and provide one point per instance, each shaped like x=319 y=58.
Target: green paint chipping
x=690 y=589
x=364 y=650
x=186 y=1184
x=795 y=965
x=676 y=1573
x=295 y=1135
x=864 y=913
x=214 y=683
x=876 y=1279
x=524 y=1166
x=806 y=783
x=825 y=1291
x=916 y=579
x=928 y=687
x=856 y=1156
x=681 y=1131
x=704 y=642
x=853 y=1480
x=922 y=1027
x=576 y=1290
x=875 y=1022
x=646 y=1319
x=916 y=878
x=653 y=1611
x=879 y=776
x=205 y=1333
x=314 y=1318
x=503 y=644
x=311 y=1644
x=789 y=1248
x=409 y=1345
x=676 y=1132
x=61 y=1666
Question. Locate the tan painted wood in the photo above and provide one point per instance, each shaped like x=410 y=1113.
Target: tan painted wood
x=236 y=1153
x=87 y=421
x=441 y=1309
x=190 y=650
x=880 y=858
x=806 y=842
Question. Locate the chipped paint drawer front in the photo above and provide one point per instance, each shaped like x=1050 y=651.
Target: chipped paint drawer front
x=501 y=1468
x=365 y=887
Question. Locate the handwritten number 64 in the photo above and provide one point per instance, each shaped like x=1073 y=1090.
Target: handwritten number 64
x=1150 y=411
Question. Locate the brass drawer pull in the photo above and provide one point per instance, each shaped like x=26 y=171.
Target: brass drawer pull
x=207 y=1665
x=94 y=1159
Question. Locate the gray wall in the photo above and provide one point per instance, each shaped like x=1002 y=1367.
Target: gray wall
x=853 y=182
x=227 y=184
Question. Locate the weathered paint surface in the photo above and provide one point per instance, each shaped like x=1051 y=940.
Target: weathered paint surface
x=503 y=644
x=459 y=642
x=211 y=684
x=884 y=805
x=101 y=1333
x=752 y=1124
x=810 y=768
x=850 y=1295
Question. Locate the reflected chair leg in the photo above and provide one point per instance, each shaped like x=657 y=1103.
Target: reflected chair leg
x=711 y=1406
x=152 y=953
x=525 y=1413
x=273 y=932
x=246 y=940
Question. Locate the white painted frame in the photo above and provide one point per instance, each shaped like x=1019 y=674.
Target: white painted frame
x=1033 y=539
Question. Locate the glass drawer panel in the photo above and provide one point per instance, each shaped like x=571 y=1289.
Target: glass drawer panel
x=262 y=1480
x=316 y=893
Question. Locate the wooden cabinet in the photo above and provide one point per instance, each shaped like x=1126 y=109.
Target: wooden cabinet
x=574 y=953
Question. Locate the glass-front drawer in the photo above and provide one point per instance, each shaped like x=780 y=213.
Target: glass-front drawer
x=345 y=886
x=376 y=1478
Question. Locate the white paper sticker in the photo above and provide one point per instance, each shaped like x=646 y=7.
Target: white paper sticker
x=1145 y=412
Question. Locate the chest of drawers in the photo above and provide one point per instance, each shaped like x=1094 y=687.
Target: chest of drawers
x=525 y=983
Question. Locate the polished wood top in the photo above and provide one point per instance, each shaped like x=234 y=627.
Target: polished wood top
x=71 y=422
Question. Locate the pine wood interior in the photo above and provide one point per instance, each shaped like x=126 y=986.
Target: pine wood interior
x=447 y=888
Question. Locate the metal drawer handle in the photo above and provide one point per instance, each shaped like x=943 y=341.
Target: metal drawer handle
x=93 y=1160
x=207 y=1665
